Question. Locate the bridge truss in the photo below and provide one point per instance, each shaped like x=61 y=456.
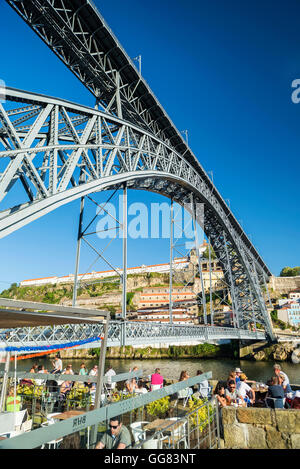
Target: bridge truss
x=58 y=151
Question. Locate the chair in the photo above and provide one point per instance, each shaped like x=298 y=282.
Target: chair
x=155 y=387
x=52 y=444
x=26 y=426
x=137 y=431
x=103 y=398
x=184 y=394
x=19 y=418
x=50 y=401
x=51 y=421
x=153 y=443
x=275 y=402
x=205 y=392
x=179 y=433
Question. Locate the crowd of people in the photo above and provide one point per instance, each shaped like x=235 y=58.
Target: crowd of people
x=236 y=390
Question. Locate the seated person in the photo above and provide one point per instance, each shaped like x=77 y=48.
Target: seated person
x=247 y=393
x=13 y=404
x=188 y=391
x=157 y=380
x=285 y=383
x=275 y=389
x=66 y=385
x=238 y=373
x=117 y=437
x=34 y=368
x=57 y=365
x=232 y=376
x=219 y=393
x=232 y=394
x=295 y=404
x=93 y=372
x=140 y=388
x=278 y=371
x=131 y=385
x=41 y=369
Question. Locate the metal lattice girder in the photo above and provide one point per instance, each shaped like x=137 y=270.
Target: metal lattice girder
x=135 y=333
x=240 y=272
x=77 y=33
x=67 y=151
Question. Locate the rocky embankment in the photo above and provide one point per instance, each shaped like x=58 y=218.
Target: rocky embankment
x=262 y=351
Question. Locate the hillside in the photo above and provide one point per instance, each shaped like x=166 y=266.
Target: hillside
x=99 y=295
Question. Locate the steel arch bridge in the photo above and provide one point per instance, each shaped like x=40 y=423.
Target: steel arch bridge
x=58 y=151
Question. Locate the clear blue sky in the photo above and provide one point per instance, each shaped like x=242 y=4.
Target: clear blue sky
x=223 y=71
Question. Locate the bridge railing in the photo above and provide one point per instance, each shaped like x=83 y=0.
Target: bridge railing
x=135 y=334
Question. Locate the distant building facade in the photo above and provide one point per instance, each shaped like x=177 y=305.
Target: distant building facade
x=187 y=264
x=289 y=312
x=295 y=294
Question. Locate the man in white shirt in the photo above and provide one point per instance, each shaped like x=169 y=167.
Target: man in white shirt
x=278 y=371
x=57 y=364
x=244 y=389
x=94 y=372
x=41 y=369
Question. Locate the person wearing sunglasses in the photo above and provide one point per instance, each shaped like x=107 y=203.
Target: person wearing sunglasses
x=116 y=437
x=233 y=396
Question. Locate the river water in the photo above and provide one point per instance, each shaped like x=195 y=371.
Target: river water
x=220 y=368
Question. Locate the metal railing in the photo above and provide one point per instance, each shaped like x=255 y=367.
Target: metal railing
x=39 y=436
x=135 y=334
x=198 y=429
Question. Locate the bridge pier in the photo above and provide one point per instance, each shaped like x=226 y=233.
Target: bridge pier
x=247 y=348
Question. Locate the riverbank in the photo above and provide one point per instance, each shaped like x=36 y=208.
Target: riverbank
x=229 y=350
x=261 y=351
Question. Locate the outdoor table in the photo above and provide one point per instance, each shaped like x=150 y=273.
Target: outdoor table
x=156 y=425
x=260 y=395
x=162 y=425
x=68 y=414
x=167 y=429
x=72 y=413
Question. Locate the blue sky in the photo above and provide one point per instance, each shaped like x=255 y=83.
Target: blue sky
x=223 y=71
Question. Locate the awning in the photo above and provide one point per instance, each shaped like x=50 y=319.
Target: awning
x=30 y=314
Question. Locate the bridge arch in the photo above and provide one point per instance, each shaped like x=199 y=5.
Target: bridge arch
x=66 y=151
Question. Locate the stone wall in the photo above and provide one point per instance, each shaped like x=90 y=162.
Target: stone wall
x=263 y=351
x=260 y=428
x=284 y=285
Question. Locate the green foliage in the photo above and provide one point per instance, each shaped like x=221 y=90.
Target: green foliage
x=274 y=315
x=30 y=391
x=205 y=255
x=200 y=417
x=129 y=298
x=79 y=397
x=159 y=407
x=290 y=272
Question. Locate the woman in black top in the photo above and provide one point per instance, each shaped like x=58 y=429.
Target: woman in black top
x=275 y=391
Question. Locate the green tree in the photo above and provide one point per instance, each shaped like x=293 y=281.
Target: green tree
x=290 y=272
x=205 y=255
